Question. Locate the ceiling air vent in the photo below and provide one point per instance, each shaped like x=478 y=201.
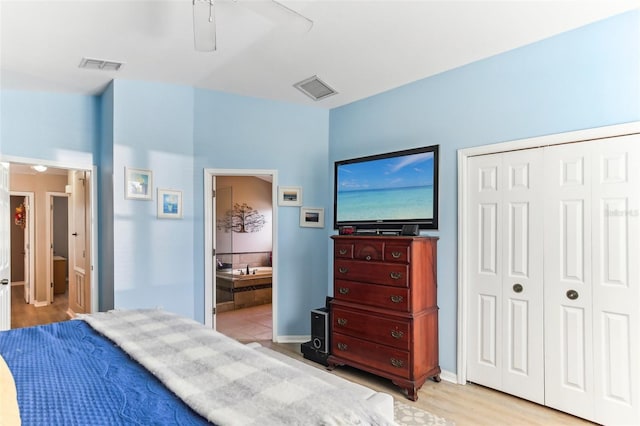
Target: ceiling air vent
x=315 y=88
x=100 y=64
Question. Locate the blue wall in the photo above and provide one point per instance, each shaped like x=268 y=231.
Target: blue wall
x=49 y=126
x=235 y=132
x=586 y=78
x=152 y=258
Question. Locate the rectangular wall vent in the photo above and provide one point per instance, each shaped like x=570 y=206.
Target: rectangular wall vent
x=100 y=64
x=315 y=88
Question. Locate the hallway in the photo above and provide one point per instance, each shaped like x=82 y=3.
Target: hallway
x=26 y=315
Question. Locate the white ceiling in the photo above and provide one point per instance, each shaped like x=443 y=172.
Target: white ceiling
x=359 y=47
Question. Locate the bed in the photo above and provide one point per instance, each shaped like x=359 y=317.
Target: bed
x=151 y=367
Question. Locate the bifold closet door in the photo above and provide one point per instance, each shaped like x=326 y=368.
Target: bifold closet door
x=505 y=280
x=592 y=280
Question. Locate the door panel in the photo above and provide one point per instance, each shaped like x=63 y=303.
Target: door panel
x=79 y=272
x=567 y=280
x=522 y=284
x=485 y=339
x=506 y=278
x=616 y=279
x=5 y=249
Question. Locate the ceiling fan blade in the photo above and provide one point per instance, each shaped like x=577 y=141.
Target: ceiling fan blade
x=279 y=13
x=204 y=25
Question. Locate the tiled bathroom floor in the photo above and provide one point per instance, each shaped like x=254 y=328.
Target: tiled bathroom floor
x=246 y=325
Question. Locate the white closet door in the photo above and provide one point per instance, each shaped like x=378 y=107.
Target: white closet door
x=616 y=279
x=506 y=306
x=567 y=277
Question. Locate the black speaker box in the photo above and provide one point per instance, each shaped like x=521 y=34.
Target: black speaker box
x=314 y=355
x=320 y=329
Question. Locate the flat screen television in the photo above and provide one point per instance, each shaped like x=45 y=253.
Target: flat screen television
x=387 y=191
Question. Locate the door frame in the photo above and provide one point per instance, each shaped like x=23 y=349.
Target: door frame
x=81 y=162
x=209 y=218
x=48 y=240
x=31 y=237
x=463 y=214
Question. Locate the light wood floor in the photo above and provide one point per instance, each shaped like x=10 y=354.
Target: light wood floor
x=463 y=404
x=27 y=315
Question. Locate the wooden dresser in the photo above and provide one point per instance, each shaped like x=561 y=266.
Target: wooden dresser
x=384 y=315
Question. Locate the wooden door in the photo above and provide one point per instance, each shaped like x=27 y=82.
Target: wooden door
x=79 y=227
x=5 y=249
x=506 y=292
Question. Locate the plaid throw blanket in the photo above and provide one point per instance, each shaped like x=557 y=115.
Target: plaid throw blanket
x=224 y=381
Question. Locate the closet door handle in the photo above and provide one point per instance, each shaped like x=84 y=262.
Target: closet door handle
x=4 y=282
x=518 y=288
x=572 y=294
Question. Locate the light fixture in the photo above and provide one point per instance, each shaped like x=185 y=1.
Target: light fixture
x=39 y=168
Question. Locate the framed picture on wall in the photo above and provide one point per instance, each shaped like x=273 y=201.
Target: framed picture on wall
x=311 y=217
x=289 y=196
x=169 y=204
x=138 y=184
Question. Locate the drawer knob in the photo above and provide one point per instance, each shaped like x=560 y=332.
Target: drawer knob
x=396 y=254
x=395 y=275
x=343 y=270
x=367 y=257
x=397 y=299
x=398 y=363
x=343 y=346
x=342 y=321
x=397 y=334
x=343 y=290
x=342 y=251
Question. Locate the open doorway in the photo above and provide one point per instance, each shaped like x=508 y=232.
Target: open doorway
x=240 y=229
x=52 y=219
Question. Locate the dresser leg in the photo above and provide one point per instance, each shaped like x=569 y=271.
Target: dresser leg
x=412 y=393
x=437 y=378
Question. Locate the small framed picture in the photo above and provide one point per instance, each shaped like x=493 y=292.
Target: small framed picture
x=169 y=204
x=289 y=196
x=312 y=217
x=138 y=184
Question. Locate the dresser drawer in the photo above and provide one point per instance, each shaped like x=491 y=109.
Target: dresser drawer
x=397 y=253
x=381 y=357
x=343 y=250
x=395 y=298
x=371 y=327
x=395 y=274
x=368 y=250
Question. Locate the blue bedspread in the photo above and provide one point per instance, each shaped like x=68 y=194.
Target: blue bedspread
x=68 y=374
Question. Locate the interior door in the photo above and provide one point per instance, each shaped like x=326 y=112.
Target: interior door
x=592 y=280
x=79 y=269
x=27 y=254
x=568 y=282
x=506 y=301
x=616 y=279
x=5 y=249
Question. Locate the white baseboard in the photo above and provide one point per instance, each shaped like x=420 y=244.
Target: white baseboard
x=448 y=376
x=39 y=304
x=291 y=339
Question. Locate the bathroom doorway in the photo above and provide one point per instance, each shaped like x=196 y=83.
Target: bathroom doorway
x=240 y=229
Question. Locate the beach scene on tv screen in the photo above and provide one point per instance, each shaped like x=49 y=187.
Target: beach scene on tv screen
x=396 y=188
